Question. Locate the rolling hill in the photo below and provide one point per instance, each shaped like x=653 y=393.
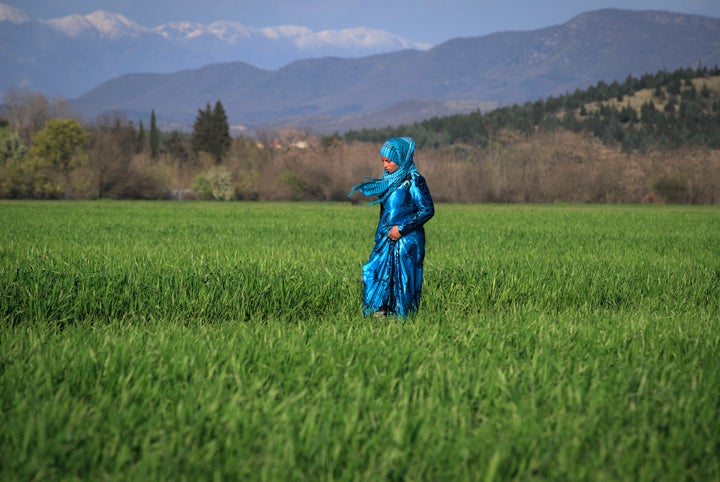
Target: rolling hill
x=467 y=73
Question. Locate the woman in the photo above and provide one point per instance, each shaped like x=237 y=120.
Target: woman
x=392 y=277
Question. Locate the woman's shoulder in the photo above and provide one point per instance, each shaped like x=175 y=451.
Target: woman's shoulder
x=416 y=178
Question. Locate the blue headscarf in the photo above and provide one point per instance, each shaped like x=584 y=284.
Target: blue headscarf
x=399 y=150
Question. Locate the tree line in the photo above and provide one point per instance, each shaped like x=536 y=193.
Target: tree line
x=46 y=153
x=647 y=139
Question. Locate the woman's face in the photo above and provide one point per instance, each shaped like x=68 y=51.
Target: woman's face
x=388 y=165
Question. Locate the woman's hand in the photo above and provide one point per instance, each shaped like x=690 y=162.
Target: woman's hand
x=394 y=233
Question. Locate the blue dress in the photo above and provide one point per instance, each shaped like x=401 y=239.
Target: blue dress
x=393 y=276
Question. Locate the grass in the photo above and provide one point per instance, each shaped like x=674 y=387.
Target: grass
x=224 y=341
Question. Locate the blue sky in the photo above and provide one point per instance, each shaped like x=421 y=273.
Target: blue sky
x=431 y=21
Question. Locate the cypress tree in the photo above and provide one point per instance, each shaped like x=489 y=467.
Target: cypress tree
x=141 y=137
x=220 y=132
x=154 y=136
x=201 y=130
x=211 y=132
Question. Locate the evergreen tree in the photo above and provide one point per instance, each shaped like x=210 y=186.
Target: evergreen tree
x=628 y=114
x=674 y=86
x=141 y=137
x=175 y=144
x=705 y=92
x=211 y=132
x=201 y=130
x=220 y=133
x=154 y=136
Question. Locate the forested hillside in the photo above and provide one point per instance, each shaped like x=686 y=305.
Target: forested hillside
x=650 y=139
x=661 y=110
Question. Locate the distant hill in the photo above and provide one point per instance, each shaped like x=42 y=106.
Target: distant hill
x=496 y=69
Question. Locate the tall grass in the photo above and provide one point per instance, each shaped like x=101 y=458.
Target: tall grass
x=161 y=341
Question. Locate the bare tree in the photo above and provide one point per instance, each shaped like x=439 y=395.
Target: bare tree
x=27 y=111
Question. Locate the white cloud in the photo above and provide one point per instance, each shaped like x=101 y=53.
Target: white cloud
x=12 y=14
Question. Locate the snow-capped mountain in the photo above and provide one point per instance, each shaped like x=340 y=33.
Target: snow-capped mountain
x=187 y=31
x=68 y=56
x=302 y=37
x=110 y=25
x=332 y=94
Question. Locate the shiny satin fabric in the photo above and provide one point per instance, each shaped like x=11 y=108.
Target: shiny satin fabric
x=393 y=275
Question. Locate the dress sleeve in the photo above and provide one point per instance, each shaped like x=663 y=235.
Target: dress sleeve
x=423 y=201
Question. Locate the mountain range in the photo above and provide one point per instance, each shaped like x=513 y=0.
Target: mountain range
x=336 y=93
x=70 y=55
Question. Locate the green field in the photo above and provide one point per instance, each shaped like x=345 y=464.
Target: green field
x=151 y=341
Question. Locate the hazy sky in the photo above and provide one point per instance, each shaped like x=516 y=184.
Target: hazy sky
x=431 y=21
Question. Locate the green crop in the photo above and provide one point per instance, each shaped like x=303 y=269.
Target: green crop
x=225 y=341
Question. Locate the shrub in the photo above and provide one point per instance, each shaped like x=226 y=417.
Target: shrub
x=672 y=189
x=215 y=183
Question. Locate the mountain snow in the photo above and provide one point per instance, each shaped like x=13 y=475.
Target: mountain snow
x=116 y=26
x=229 y=32
x=181 y=30
x=69 y=55
x=112 y=25
x=302 y=37
x=367 y=38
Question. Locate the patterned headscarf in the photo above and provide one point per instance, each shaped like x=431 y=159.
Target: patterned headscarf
x=400 y=150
